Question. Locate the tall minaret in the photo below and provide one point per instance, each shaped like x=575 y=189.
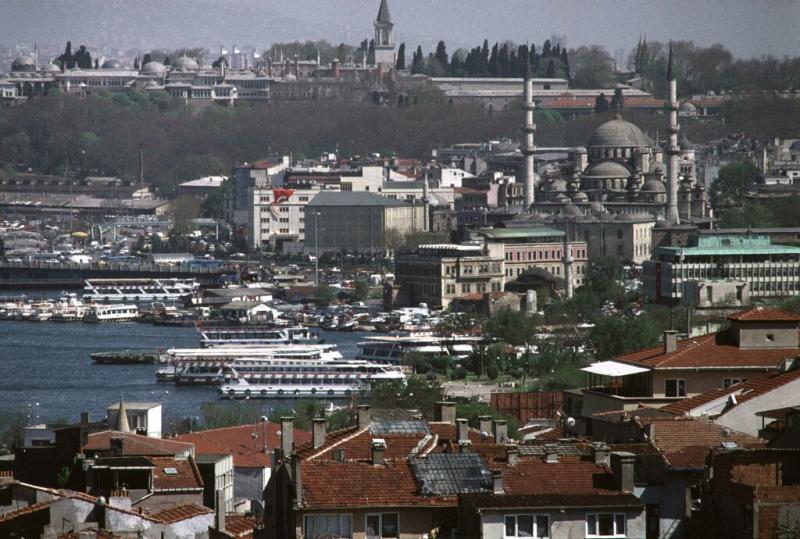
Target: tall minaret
x=384 y=37
x=673 y=217
x=567 y=263
x=528 y=147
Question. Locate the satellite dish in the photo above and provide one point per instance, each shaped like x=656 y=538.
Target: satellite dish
x=570 y=422
x=264 y=419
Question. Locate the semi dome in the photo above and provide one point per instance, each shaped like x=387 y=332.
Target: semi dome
x=556 y=186
x=50 y=67
x=654 y=186
x=112 y=64
x=23 y=63
x=618 y=133
x=687 y=107
x=580 y=196
x=685 y=143
x=608 y=169
x=153 y=68
x=184 y=63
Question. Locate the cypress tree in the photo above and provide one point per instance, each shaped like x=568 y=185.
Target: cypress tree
x=441 y=55
x=551 y=70
x=401 y=56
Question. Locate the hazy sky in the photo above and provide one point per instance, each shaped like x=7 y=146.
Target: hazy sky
x=746 y=27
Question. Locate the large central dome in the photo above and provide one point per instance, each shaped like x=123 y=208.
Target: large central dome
x=618 y=133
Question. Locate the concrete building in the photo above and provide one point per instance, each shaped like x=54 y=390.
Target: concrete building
x=246 y=177
x=435 y=274
x=537 y=247
x=217 y=473
x=142 y=417
x=359 y=221
x=277 y=217
x=768 y=270
x=201 y=187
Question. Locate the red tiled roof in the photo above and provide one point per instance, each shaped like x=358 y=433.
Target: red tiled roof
x=239 y=525
x=358 y=446
x=181 y=512
x=764 y=315
x=328 y=484
x=135 y=444
x=685 y=443
x=187 y=476
x=11 y=515
x=744 y=391
x=92 y=533
x=305 y=450
x=568 y=101
x=570 y=475
x=715 y=350
x=238 y=441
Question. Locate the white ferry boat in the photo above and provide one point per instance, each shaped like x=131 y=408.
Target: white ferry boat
x=138 y=290
x=256 y=336
x=394 y=348
x=112 y=313
x=308 y=379
x=69 y=309
x=210 y=365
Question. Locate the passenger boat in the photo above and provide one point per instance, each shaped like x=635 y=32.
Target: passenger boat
x=296 y=379
x=394 y=348
x=112 y=313
x=138 y=290
x=69 y=309
x=256 y=336
x=209 y=365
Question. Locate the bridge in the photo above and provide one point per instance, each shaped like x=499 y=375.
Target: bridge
x=69 y=275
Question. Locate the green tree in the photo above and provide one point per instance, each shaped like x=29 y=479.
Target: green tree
x=183 y=210
x=512 y=327
x=360 y=289
x=441 y=56
x=401 y=56
x=326 y=295
x=16 y=148
x=416 y=393
x=729 y=188
x=614 y=335
x=601 y=104
x=213 y=205
x=592 y=67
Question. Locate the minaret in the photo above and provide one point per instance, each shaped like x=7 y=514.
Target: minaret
x=384 y=37
x=567 y=262
x=673 y=151
x=528 y=148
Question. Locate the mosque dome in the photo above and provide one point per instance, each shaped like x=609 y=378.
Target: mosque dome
x=685 y=143
x=23 y=63
x=153 y=68
x=580 y=196
x=656 y=167
x=795 y=146
x=556 y=186
x=50 y=67
x=608 y=169
x=653 y=186
x=184 y=63
x=571 y=210
x=618 y=133
x=597 y=207
x=112 y=64
x=687 y=107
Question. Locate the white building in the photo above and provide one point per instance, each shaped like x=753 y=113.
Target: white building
x=143 y=417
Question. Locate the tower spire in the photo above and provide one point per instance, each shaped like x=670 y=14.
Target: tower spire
x=528 y=145
x=122 y=417
x=673 y=217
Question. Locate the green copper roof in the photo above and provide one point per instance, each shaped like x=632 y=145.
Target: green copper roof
x=731 y=244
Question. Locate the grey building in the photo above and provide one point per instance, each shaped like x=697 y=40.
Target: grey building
x=359 y=221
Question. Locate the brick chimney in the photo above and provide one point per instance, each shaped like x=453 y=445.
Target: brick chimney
x=287 y=435
x=670 y=341
x=378 y=449
x=622 y=464
x=445 y=412
x=297 y=480
x=462 y=429
x=601 y=453
x=500 y=431
x=497 y=482
x=319 y=431
x=364 y=419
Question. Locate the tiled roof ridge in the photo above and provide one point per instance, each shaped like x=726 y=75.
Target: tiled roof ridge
x=683 y=345
x=24 y=510
x=758 y=313
x=325 y=448
x=172 y=514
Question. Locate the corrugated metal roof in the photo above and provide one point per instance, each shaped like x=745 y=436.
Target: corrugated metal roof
x=521 y=232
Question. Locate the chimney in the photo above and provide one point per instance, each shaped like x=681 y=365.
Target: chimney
x=500 y=431
x=319 y=430
x=287 y=435
x=622 y=464
x=551 y=453
x=497 y=482
x=297 y=480
x=219 y=514
x=512 y=454
x=601 y=453
x=445 y=412
x=485 y=424
x=670 y=341
x=85 y=419
x=462 y=428
x=296 y=66
x=277 y=458
x=336 y=68
x=363 y=417
x=378 y=449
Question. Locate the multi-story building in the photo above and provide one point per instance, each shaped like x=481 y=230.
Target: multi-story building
x=768 y=270
x=435 y=274
x=359 y=221
x=246 y=177
x=277 y=217
x=538 y=247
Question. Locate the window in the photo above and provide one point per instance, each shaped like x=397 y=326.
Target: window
x=334 y=526
x=770 y=337
x=675 y=387
x=605 y=525
x=382 y=526
x=527 y=526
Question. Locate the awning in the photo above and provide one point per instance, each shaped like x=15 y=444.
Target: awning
x=613 y=368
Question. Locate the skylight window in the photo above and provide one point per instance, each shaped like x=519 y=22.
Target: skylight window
x=170 y=471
